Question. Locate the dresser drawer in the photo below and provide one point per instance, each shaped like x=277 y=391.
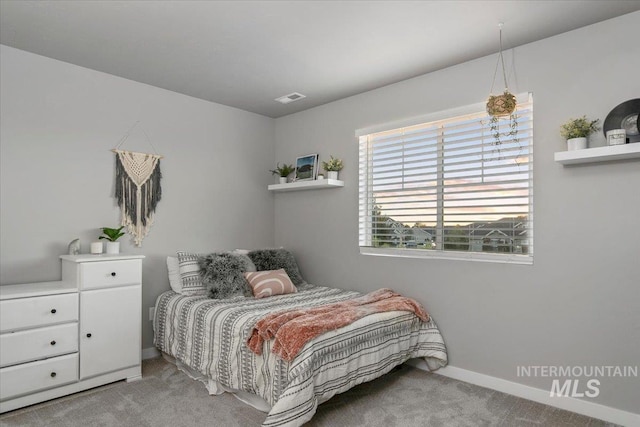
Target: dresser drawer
x=36 y=344
x=23 y=313
x=110 y=273
x=35 y=376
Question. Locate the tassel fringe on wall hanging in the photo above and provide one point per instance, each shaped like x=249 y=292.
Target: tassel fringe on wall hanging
x=137 y=190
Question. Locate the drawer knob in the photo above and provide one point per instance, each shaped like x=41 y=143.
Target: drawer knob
x=53 y=311
x=113 y=274
x=53 y=374
x=53 y=342
x=89 y=335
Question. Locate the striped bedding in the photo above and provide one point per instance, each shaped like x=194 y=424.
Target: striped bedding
x=210 y=337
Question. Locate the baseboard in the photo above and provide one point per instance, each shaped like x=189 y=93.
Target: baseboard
x=590 y=409
x=150 y=353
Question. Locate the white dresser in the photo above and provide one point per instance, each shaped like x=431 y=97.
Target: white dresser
x=58 y=338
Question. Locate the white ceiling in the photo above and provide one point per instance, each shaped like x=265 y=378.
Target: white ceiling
x=247 y=53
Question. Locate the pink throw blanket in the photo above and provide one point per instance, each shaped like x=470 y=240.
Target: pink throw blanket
x=294 y=328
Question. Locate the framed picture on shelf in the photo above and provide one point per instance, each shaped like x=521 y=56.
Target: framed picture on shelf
x=307 y=167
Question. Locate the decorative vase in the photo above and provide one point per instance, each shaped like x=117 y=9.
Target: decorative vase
x=616 y=137
x=283 y=180
x=96 y=248
x=576 y=144
x=113 y=248
x=332 y=174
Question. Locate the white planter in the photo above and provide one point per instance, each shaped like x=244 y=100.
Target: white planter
x=282 y=180
x=576 y=144
x=113 y=248
x=96 y=248
x=332 y=174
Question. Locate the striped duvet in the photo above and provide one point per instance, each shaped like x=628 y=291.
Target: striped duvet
x=210 y=337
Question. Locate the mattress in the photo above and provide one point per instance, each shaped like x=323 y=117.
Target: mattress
x=209 y=337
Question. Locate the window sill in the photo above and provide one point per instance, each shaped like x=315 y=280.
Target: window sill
x=457 y=256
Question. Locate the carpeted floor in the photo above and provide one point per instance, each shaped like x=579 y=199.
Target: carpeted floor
x=406 y=397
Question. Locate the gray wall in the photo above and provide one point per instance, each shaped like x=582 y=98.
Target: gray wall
x=59 y=122
x=579 y=303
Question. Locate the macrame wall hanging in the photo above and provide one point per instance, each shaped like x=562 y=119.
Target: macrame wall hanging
x=138 y=188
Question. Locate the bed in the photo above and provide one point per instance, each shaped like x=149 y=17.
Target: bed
x=207 y=338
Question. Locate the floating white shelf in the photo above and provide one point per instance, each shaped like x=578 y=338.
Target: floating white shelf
x=599 y=154
x=307 y=185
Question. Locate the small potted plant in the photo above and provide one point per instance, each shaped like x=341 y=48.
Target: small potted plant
x=576 y=132
x=112 y=235
x=333 y=166
x=501 y=105
x=283 y=172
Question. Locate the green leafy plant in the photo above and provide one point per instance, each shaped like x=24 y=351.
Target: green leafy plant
x=333 y=165
x=112 y=234
x=579 y=128
x=283 y=171
x=512 y=132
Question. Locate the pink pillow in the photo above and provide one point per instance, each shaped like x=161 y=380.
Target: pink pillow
x=270 y=282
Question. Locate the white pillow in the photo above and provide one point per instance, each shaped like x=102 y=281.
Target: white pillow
x=173 y=268
x=192 y=284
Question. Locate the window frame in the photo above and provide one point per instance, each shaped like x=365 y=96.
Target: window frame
x=439 y=252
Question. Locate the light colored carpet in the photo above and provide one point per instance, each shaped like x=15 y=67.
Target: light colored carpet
x=405 y=397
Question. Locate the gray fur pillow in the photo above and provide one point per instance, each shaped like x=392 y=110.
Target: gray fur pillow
x=221 y=274
x=275 y=259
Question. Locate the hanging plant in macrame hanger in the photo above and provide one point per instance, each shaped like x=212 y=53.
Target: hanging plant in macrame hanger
x=501 y=106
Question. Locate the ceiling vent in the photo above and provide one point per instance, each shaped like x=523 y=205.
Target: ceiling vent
x=295 y=96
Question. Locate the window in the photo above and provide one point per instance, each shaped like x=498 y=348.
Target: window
x=454 y=185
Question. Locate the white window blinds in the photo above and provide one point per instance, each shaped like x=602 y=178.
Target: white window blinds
x=460 y=184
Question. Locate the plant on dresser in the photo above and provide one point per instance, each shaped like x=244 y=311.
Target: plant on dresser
x=112 y=235
x=58 y=338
